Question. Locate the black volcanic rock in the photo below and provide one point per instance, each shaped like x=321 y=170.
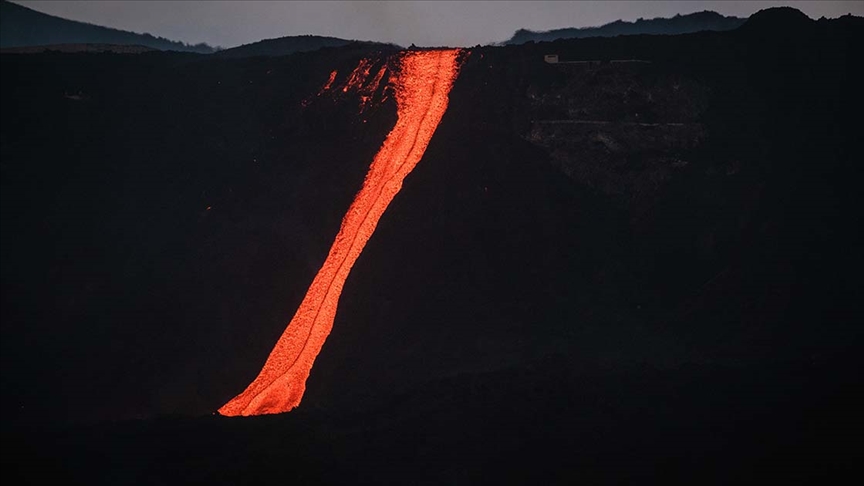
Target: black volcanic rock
x=23 y=27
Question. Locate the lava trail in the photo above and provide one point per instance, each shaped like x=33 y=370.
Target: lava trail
x=422 y=86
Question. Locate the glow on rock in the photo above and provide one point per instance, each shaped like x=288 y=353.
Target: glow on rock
x=421 y=86
x=328 y=84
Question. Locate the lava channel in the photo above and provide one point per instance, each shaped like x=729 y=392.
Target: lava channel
x=422 y=86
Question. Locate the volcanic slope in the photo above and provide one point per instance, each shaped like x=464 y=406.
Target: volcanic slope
x=421 y=86
x=640 y=272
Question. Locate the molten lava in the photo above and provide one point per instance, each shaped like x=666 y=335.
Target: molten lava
x=422 y=85
x=328 y=84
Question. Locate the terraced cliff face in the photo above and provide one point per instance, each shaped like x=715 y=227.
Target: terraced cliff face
x=622 y=129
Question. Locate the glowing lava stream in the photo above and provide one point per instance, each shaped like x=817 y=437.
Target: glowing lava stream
x=422 y=86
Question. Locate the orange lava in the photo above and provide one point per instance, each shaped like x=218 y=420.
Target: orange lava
x=422 y=86
x=358 y=76
x=328 y=84
x=368 y=90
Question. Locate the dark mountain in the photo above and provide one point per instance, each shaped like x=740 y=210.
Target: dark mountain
x=599 y=273
x=24 y=27
x=778 y=21
x=291 y=44
x=679 y=24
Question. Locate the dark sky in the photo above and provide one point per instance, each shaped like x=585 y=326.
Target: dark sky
x=425 y=23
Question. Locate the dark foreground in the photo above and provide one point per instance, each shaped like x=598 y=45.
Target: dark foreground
x=545 y=424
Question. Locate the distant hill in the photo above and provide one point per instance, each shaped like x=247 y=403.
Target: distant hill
x=771 y=20
x=679 y=24
x=24 y=27
x=283 y=46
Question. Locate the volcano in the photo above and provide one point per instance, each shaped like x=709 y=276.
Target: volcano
x=637 y=264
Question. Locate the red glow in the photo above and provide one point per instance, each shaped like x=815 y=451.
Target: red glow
x=358 y=75
x=361 y=82
x=422 y=85
x=328 y=84
x=369 y=89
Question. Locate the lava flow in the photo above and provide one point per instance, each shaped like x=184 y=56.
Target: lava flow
x=422 y=86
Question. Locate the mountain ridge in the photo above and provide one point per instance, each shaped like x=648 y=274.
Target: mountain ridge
x=21 y=26
x=679 y=24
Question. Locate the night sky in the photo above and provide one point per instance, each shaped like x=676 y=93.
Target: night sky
x=435 y=23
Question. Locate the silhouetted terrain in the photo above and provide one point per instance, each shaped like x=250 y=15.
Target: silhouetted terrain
x=289 y=45
x=69 y=48
x=679 y=24
x=600 y=273
x=22 y=27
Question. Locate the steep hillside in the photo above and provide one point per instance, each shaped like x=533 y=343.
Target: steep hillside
x=23 y=27
x=601 y=272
